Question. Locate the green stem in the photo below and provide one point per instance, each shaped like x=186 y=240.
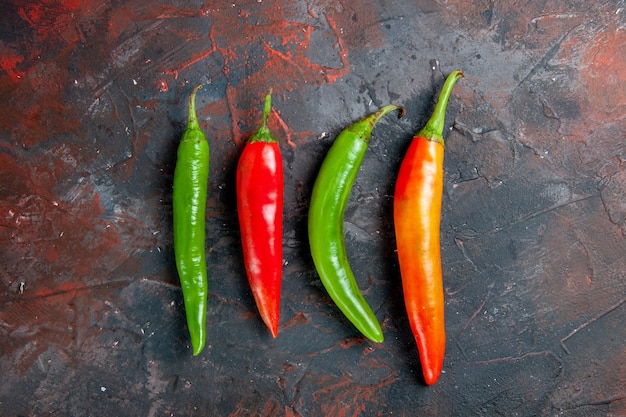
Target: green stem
x=373 y=118
x=433 y=130
x=263 y=133
x=192 y=119
x=386 y=109
x=267 y=110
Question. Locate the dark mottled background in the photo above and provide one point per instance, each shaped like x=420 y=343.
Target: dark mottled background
x=533 y=223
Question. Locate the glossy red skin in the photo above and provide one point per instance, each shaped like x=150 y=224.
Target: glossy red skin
x=260 y=208
x=417 y=213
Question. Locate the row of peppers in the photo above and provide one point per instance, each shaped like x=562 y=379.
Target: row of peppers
x=417 y=207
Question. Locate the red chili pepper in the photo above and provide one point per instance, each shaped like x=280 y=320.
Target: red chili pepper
x=417 y=213
x=260 y=207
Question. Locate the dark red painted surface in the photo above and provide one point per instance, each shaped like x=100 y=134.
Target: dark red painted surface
x=533 y=225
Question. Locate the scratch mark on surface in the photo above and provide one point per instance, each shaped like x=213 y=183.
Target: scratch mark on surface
x=231 y=94
x=547 y=57
x=534 y=20
x=194 y=59
x=541 y=212
x=461 y=245
x=607 y=401
x=332 y=74
x=590 y=322
x=75 y=290
x=522 y=357
x=549 y=112
x=286 y=129
x=467 y=323
x=160 y=283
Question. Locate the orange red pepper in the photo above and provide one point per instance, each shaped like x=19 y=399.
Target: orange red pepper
x=417 y=214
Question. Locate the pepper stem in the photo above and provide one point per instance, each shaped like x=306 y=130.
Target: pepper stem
x=433 y=130
x=267 y=109
x=263 y=133
x=372 y=119
x=192 y=119
x=375 y=117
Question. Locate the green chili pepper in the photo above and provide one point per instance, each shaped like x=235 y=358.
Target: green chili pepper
x=189 y=206
x=326 y=215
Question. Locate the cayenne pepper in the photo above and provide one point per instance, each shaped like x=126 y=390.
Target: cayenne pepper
x=189 y=206
x=417 y=213
x=326 y=215
x=260 y=210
